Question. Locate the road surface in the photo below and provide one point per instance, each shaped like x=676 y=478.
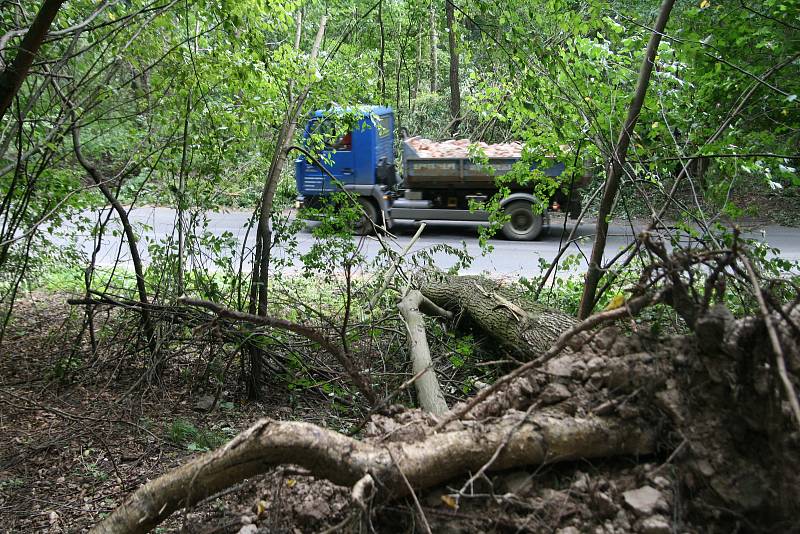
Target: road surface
x=509 y=258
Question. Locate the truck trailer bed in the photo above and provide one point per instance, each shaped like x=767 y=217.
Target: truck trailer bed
x=422 y=171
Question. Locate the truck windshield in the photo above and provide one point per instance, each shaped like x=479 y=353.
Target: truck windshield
x=330 y=135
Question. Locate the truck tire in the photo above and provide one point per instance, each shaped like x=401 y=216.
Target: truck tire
x=524 y=224
x=369 y=213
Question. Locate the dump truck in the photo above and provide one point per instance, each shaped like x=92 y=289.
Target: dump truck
x=436 y=181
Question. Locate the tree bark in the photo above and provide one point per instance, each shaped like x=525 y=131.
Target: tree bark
x=298 y=29
x=417 y=74
x=524 y=328
x=455 y=88
x=298 y=37
x=182 y=172
x=147 y=323
x=382 y=55
x=259 y=290
x=434 y=45
x=12 y=76
x=617 y=162
x=345 y=461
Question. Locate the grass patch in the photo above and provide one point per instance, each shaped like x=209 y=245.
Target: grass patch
x=184 y=433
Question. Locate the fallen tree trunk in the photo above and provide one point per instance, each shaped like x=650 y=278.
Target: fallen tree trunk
x=523 y=327
x=423 y=463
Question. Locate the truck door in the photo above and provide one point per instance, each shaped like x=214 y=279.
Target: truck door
x=336 y=156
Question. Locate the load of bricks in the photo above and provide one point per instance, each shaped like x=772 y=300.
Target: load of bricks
x=460 y=148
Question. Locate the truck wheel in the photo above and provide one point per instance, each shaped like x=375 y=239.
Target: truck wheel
x=524 y=224
x=369 y=213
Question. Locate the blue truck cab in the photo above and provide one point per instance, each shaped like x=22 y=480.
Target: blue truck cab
x=359 y=159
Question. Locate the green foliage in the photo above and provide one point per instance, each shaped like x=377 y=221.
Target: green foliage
x=300 y=377
x=64 y=367
x=460 y=357
x=10 y=483
x=183 y=432
x=575 y=94
x=463 y=351
x=95 y=471
x=333 y=245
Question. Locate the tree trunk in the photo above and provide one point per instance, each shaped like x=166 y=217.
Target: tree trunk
x=524 y=328
x=399 y=67
x=12 y=76
x=259 y=290
x=382 y=56
x=183 y=170
x=617 y=162
x=429 y=393
x=138 y=268
x=417 y=74
x=455 y=89
x=298 y=37
x=434 y=45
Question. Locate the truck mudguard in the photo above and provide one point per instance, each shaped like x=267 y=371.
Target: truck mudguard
x=518 y=196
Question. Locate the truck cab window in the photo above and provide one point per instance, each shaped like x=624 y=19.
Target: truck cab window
x=331 y=136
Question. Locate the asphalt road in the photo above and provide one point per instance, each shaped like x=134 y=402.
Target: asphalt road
x=509 y=258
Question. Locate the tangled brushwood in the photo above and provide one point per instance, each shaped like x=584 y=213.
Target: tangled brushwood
x=715 y=409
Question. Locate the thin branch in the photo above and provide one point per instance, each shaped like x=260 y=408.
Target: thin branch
x=412 y=492
x=393 y=269
x=719 y=156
